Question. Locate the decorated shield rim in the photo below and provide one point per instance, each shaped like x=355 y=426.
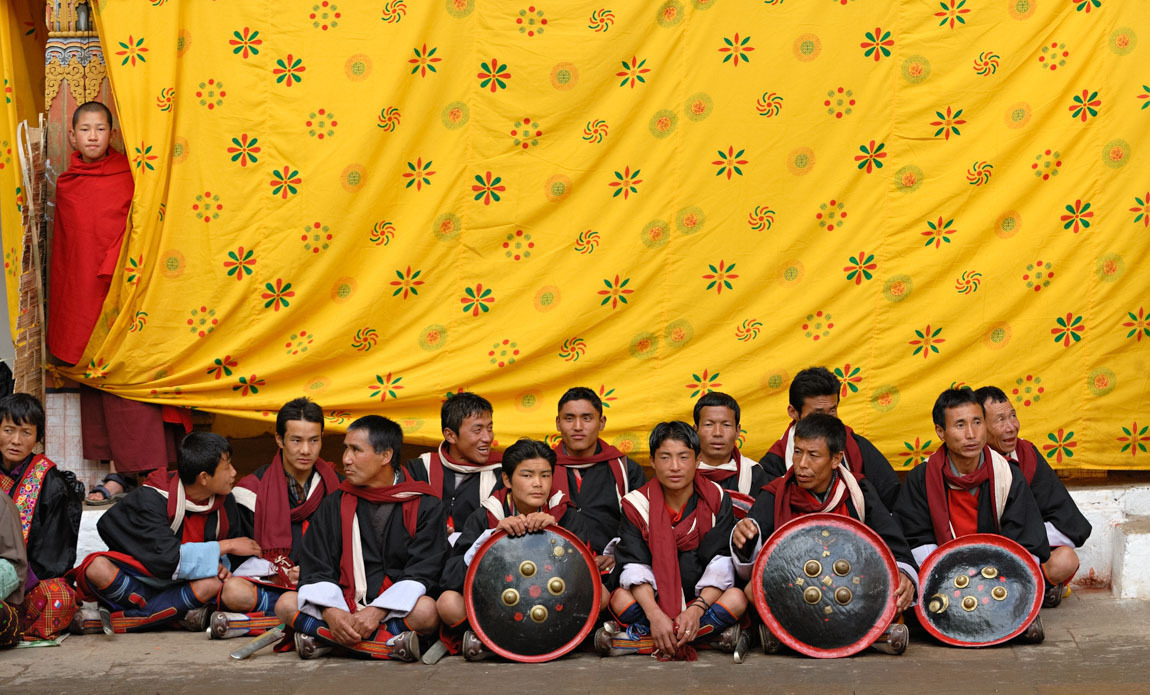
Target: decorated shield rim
x=979 y=539
x=588 y=625
x=823 y=519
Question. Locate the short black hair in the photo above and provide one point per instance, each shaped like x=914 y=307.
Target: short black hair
x=717 y=399
x=523 y=450
x=812 y=382
x=460 y=407
x=677 y=430
x=828 y=428
x=952 y=398
x=992 y=394
x=384 y=435
x=200 y=452
x=302 y=408
x=90 y=106
x=582 y=393
x=24 y=409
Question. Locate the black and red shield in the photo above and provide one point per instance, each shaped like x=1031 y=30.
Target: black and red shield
x=535 y=597
x=978 y=590
x=824 y=585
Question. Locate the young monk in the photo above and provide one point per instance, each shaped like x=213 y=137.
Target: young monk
x=277 y=501
x=819 y=481
x=966 y=487
x=49 y=504
x=594 y=474
x=524 y=505
x=171 y=542
x=1066 y=528
x=463 y=470
x=372 y=556
x=717 y=422
x=13 y=573
x=816 y=390
x=675 y=576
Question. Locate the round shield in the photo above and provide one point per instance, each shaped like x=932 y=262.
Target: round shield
x=978 y=590
x=533 y=597
x=824 y=585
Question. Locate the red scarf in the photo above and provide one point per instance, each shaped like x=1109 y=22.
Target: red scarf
x=92 y=203
x=939 y=477
x=195 y=522
x=406 y=494
x=274 y=514
x=793 y=501
x=604 y=452
x=435 y=467
x=557 y=506
x=718 y=475
x=853 y=452
x=1026 y=457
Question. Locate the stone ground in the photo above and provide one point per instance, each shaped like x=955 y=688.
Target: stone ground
x=1094 y=644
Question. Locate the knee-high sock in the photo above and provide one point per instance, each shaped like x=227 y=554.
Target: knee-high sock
x=302 y=622
x=161 y=609
x=124 y=592
x=265 y=601
x=715 y=619
x=396 y=625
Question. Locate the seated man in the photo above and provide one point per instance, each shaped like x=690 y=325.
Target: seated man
x=372 y=556
x=465 y=472
x=816 y=390
x=13 y=573
x=277 y=501
x=819 y=482
x=1066 y=528
x=674 y=547
x=50 y=504
x=966 y=487
x=594 y=474
x=717 y=422
x=169 y=542
x=524 y=505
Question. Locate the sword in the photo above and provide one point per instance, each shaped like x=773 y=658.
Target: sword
x=106 y=621
x=265 y=640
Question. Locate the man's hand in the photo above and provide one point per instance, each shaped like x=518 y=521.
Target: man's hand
x=244 y=547
x=223 y=572
x=606 y=563
x=537 y=521
x=663 y=632
x=513 y=525
x=293 y=575
x=366 y=621
x=904 y=594
x=688 y=622
x=745 y=531
x=343 y=628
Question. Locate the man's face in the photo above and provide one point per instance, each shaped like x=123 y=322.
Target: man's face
x=530 y=485
x=827 y=405
x=16 y=441
x=222 y=481
x=674 y=463
x=1001 y=427
x=91 y=135
x=361 y=465
x=473 y=441
x=814 y=464
x=300 y=444
x=579 y=424
x=965 y=432
x=718 y=429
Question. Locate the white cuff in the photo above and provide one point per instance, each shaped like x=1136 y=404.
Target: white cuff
x=245 y=498
x=451 y=538
x=922 y=552
x=400 y=598
x=1056 y=537
x=720 y=573
x=470 y=554
x=910 y=572
x=634 y=574
x=609 y=549
x=743 y=569
x=255 y=567
x=313 y=598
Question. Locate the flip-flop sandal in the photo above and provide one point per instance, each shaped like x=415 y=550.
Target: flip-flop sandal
x=109 y=498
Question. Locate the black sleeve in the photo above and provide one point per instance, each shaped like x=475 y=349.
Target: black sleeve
x=717 y=541
x=631 y=549
x=877 y=470
x=763 y=514
x=879 y=519
x=428 y=547
x=322 y=544
x=454 y=569
x=418 y=471
x=573 y=522
x=636 y=478
x=138 y=525
x=240 y=525
x=911 y=510
x=56 y=526
x=773 y=465
x=759 y=478
x=1056 y=504
x=1021 y=520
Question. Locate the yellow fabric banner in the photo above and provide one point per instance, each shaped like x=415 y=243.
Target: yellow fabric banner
x=378 y=204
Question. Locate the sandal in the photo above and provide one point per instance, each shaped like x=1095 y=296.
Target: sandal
x=109 y=498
